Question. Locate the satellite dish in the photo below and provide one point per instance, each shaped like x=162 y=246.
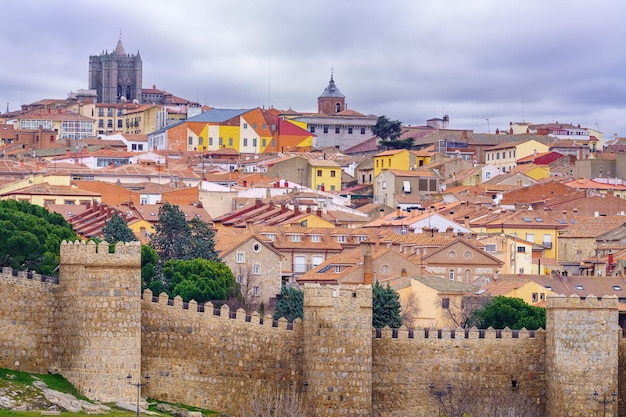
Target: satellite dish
x=135 y=101
x=123 y=99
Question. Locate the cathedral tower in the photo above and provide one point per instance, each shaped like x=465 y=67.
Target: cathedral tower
x=116 y=76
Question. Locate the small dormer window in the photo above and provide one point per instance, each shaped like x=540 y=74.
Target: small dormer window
x=295 y=238
x=316 y=238
x=579 y=287
x=341 y=238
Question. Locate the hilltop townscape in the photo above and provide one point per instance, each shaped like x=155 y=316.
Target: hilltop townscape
x=293 y=197
x=446 y=218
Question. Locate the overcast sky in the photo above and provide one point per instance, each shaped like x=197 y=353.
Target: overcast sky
x=484 y=63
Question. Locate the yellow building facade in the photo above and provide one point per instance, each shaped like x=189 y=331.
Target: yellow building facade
x=325 y=175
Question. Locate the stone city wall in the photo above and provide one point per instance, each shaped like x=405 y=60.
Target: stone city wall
x=95 y=328
x=214 y=358
x=27 y=336
x=477 y=364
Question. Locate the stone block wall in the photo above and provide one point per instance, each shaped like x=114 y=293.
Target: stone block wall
x=338 y=349
x=27 y=337
x=581 y=353
x=98 y=321
x=475 y=363
x=215 y=358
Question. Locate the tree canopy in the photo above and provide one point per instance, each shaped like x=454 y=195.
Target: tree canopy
x=389 y=131
x=290 y=304
x=117 y=230
x=510 y=312
x=196 y=279
x=386 y=306
x=175 y=238
x=31 y=236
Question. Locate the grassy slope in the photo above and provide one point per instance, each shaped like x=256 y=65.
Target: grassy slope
x=19 y=384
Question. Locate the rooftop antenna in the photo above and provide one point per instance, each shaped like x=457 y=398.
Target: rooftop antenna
x=269 y=85
x=488 y=127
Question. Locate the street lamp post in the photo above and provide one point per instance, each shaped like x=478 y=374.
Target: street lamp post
x=604 y=401
x=439 y=393
x=138 y=385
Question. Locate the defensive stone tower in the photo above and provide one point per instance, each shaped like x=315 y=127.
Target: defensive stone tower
x=99 y=323
x=338 y=349
x=581 y=355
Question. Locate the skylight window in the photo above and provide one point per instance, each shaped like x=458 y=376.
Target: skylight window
x=538 y=219
x=617 y=288
x=579 y=287
x=561 y=221
x=572 y=221
x=526 y=219
x=548 y=287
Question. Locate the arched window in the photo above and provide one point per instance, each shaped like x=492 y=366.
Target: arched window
x=128 y=92
x=337 y=107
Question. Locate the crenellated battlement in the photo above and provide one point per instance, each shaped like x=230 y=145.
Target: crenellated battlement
x=575 y=302
x=79 y=252
x=210 y=312
x=11 y=274
x=420 y=334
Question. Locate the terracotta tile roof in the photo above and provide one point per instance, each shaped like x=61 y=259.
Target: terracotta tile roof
x=444 y=285
x=592 y=227
x=583 y=183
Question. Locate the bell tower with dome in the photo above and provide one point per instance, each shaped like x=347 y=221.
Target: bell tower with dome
x=116 y=76
x=331 y=101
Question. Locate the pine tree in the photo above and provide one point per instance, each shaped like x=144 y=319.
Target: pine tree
x=290 y=304
x=117 y=230
x=386 y=306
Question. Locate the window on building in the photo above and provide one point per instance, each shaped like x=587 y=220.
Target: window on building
x=46 y=202
x=319 y=172
x=316 y=238
x=312 y=129
x=245 y=125
x=451 y=274
x=245 y=141
x=273 y=127
x=256 y=269
x=362 y=130
x=210 y=141
x=101 y=112
x=333 y=188
x=535 y=297
x=264 y=142
x=255 y=290
x=350 y=130
x=190 y=140
x=109 y=123
x=332 y=173
x=521 y=249
x=497 y=155
x=230 y=141
x=241 y=257
x=490 y=248
x=273 y=145
x=445 y=303
x=101 y=123
x=295 y=238
x=200 y=140
x=341 y=238
x=325 y=129
x=254 y=142
x=240 y=279
x=221 y=141
x=337 y=269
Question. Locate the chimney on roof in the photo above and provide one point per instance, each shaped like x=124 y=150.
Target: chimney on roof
x=368 y=267
x=466 y=222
